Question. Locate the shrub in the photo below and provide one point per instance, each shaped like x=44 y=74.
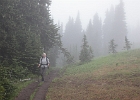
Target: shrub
x=6 y=89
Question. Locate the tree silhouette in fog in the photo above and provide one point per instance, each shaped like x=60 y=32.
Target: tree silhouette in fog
x=73 y=36
x=127 y=44
x=112 y=47
x=107 y=29
x=94 y=34
x=86 y=53
x=119 y=30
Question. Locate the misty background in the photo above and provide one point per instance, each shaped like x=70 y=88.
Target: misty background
x=71 y=33
x=100 y=20
x=62 y=9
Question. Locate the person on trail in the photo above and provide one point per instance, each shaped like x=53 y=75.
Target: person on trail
x=43 y=64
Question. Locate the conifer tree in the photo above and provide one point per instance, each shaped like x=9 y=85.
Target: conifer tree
x=25 y=28
x=86 y=53
x=78 y=25
x=21 y=20
x=112 y=47
x=89 y=32
x=68 y=58
x=107 y=29
x=69 y=33
x=127 y=44
x=119 y=30
x=73 y=34
x=60 y=31
x=78 y=33
x=97 y=35
x=53 y=55
x=91 y=53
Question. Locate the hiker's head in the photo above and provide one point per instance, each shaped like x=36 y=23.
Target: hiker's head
x=44 y=55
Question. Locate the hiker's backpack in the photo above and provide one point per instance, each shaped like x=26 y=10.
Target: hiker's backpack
x=46 y=60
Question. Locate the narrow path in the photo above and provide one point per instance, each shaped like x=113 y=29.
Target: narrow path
x=26 y=92
x=41 y=93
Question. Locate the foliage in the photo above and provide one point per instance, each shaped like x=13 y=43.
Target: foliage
x=64 y=51
x=91 y=53
x=7 y=75
x=112 y=47
x=94 y=34
x=53 y=55
x=2 y=91
x=13 y=73
x=69 y=58
x=127 y=44
x=86 y=53
x=107 y=28
x=73 y=35
x=26 y=29
x=114 y=26
x=119 y=29
x=6 y=88
x=9 y=89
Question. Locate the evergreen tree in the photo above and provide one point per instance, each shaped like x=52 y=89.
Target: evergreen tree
x=69 y=59
x=53 y=55
x=32 y=51
x=91 y=55
x=112 y=47
x=73 y=35
x=67 y=56
x=119 y=30
x=8 y=41
x=60 y=31
x=127 y=44
x=78 y=33
x=86 y=53
x=107 y=29
x=22 y=20
x=97 y=35
x=89 y=32
x=78 y=25
x=69 y=33
x=25 y=29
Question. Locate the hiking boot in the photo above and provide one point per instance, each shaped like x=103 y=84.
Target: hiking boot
x=42 y=79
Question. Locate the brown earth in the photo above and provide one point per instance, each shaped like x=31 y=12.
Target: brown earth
x=42 y=90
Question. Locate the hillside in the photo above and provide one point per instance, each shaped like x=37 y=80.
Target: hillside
x=115 y=77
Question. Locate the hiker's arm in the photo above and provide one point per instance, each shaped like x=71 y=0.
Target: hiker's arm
x=39 y=63
x=48 y=61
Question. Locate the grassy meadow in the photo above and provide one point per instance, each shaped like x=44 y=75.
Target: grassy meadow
x=115 y=77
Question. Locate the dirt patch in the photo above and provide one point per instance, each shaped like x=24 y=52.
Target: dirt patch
x=41 y=93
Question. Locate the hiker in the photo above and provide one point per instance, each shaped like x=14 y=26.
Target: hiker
x=43 y=64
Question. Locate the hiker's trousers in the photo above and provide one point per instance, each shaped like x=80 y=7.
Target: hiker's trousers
x=43 y=72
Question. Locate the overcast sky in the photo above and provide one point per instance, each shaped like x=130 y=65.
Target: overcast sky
x=62 y=9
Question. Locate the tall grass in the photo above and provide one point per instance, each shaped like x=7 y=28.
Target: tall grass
x=114 y=77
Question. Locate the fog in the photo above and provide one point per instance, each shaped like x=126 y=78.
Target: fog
x=62 y=9
x=101 y=21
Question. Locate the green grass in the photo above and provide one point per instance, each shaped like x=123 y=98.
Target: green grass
x=19 y=86
x=112 y=60
x=115 y=77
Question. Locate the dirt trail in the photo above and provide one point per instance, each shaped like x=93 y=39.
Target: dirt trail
x=42 y=90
